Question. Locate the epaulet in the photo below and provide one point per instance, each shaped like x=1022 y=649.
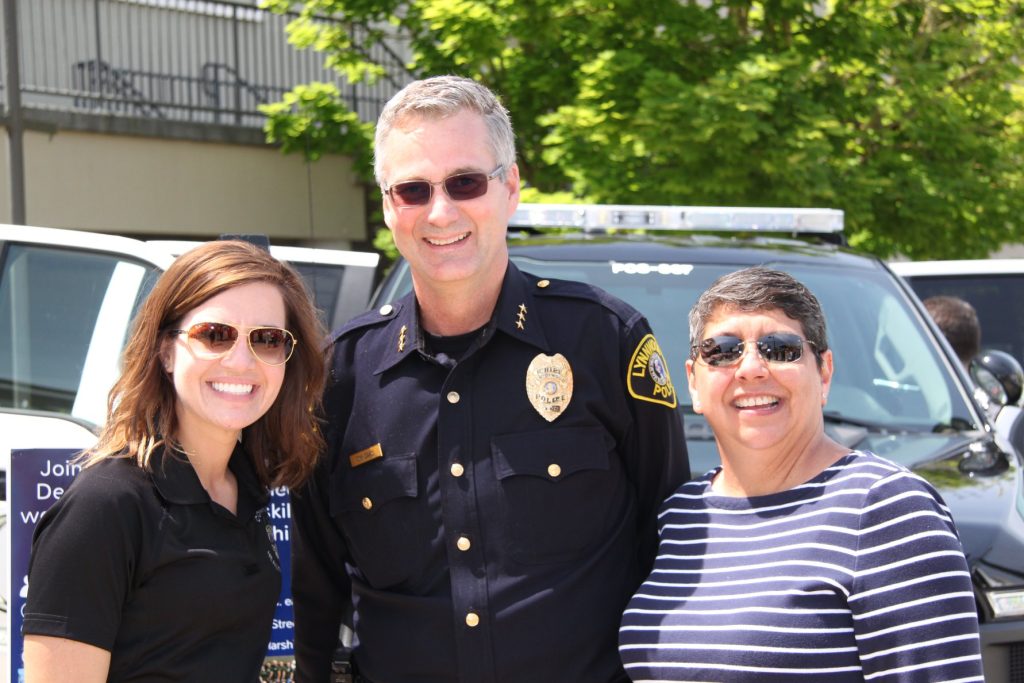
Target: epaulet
x=570 y=289
x=371 y=318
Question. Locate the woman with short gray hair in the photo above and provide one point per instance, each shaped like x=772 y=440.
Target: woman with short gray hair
x=796 y=559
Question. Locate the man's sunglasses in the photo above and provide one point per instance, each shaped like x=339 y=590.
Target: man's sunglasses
x=271 y=345
x=458 y=187
x=726 y=349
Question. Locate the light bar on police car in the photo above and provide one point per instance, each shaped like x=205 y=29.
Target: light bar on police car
x=650 y=217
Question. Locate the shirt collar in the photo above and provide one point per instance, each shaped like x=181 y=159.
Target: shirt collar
x=402 y=335
x=516 y=315
x=513 y=315
x=177 y=482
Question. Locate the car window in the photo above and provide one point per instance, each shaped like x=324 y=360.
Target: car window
x=998 y=299
x=339 y=292
x=324 y=283
x=65 y=316
x=888 y=373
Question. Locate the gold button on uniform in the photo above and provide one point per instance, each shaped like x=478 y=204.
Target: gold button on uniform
x=472 y=619
x=543 y=283
x=386 y=309
x=457 y=469
x=463 y=544
x=367 y=503
x=554 y=470
x=453 y=397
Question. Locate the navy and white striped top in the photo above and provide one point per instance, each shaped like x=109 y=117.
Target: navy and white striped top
x=855 y=575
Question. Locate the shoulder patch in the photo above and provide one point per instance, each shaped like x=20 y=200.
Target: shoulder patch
x=647 y=377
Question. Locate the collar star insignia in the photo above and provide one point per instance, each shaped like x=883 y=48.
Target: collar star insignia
x=401 y=338
x=521 y=317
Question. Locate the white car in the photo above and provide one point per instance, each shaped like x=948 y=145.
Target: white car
x=995 y=287
x=341 y=281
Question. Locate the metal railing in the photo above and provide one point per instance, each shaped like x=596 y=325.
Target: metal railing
x=205 y=61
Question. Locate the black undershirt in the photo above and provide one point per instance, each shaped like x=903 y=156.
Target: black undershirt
x=450 y=350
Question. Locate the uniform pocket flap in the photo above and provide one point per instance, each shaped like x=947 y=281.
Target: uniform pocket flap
x=374 y=483
x=551 y=453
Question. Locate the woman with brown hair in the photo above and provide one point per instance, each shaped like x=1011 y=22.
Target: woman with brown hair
x=158 y=563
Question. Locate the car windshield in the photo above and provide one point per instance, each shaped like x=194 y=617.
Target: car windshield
x=889 y=376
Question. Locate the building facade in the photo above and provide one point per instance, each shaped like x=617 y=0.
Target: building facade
x=140 y=117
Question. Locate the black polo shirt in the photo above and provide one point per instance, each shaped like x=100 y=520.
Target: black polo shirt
x=486 y=522
x=146 y=566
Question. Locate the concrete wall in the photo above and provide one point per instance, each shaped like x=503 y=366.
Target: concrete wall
x=158 y=186
x=1009 y=251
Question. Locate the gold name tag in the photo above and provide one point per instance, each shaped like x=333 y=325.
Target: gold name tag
x=366 y=455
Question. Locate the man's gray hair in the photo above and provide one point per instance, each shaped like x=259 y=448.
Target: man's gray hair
x=440 y=97
x=758 y=289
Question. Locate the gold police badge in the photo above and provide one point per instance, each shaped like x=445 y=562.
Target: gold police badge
x=549 y=385
x=647 y=376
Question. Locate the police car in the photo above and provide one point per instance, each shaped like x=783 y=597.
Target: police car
x=897 y=389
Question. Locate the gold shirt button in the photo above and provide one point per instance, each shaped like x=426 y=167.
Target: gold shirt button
x=463 y=544
x=367 y=503
x=554 y=470
x=472 y=619
x=543 y=283
x=453 y=397
x=457 y=469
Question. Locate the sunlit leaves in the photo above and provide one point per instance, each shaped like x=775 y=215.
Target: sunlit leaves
x=313 y=121
x=906 y=114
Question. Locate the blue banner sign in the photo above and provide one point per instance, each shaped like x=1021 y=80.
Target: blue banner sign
x=282 y=634
x=39 y=477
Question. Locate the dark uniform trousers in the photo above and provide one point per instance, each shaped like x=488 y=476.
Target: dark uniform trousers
x=487 y=520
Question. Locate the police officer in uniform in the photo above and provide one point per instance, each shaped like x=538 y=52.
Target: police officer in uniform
x=498 y=444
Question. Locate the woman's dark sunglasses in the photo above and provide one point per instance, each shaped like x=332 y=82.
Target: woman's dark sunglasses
x=271 y=345
x=726 y=349
x=458 y=187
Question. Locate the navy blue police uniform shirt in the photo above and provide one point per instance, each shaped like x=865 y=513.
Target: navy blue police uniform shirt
x=487 y=520
x=145 y=565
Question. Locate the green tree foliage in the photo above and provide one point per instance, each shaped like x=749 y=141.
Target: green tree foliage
x=314 y=121
x=906 y=114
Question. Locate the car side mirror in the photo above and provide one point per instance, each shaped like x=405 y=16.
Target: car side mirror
x=999 y=375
